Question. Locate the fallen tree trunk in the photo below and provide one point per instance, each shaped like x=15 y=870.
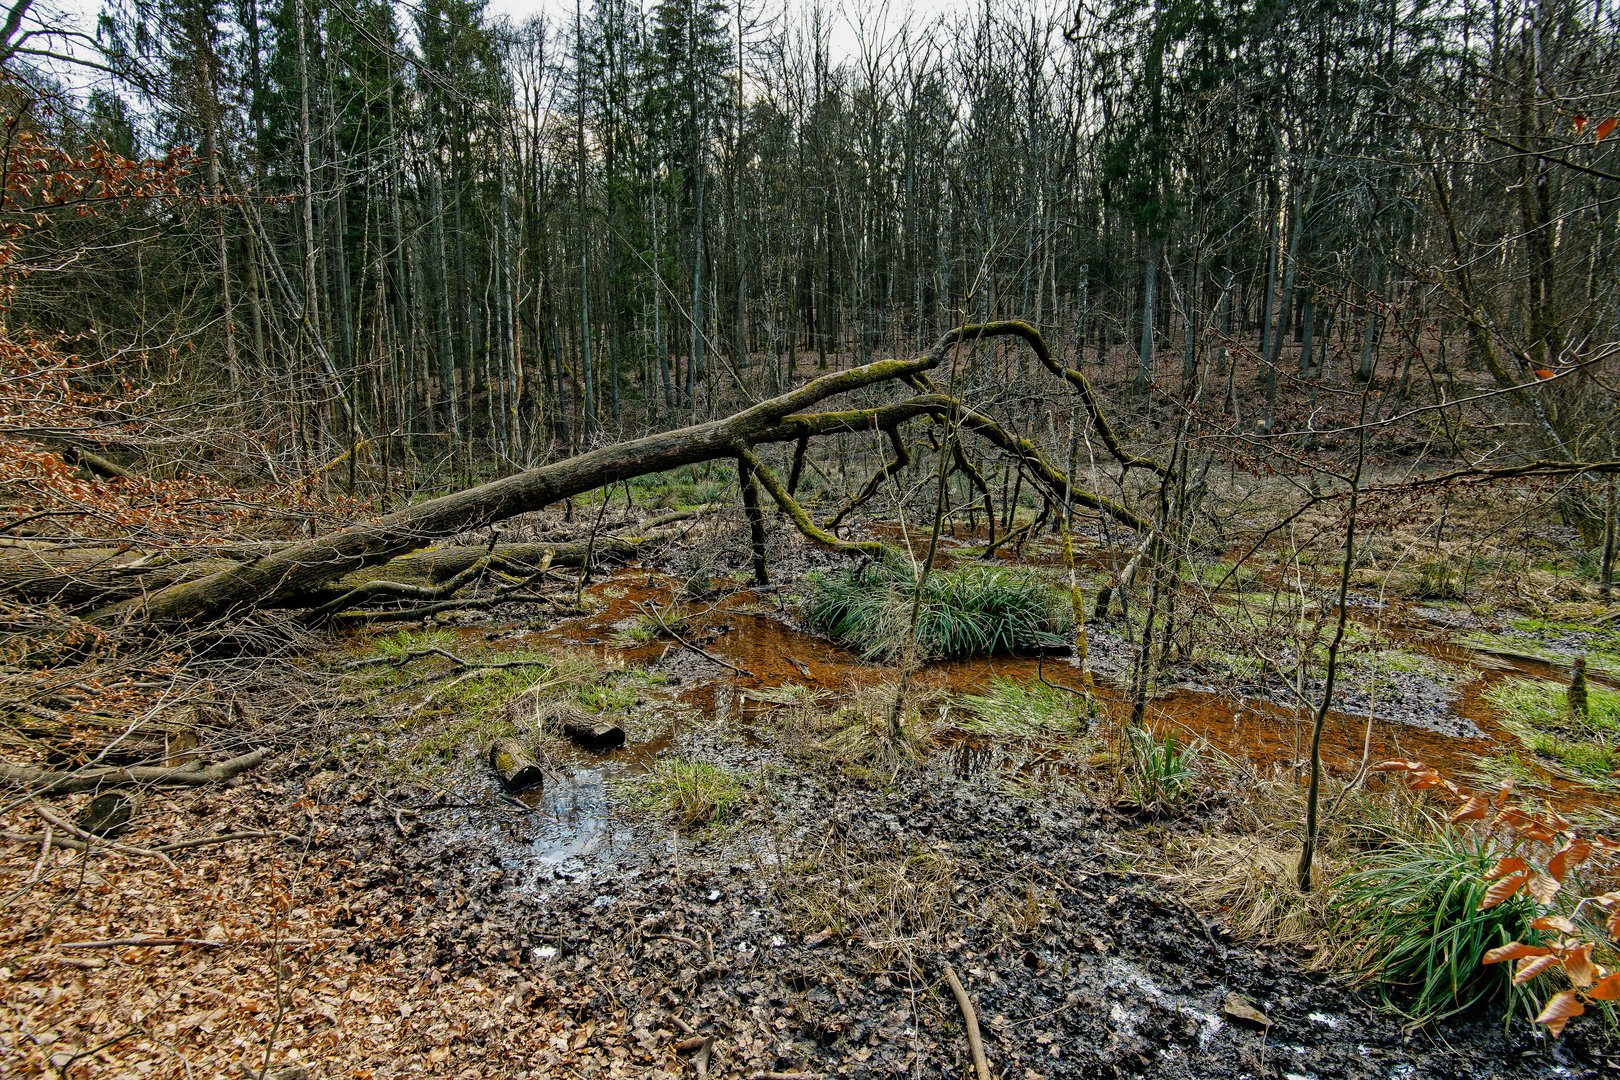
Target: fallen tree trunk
x=289 y=576
x=589 y=734
x=59 y=782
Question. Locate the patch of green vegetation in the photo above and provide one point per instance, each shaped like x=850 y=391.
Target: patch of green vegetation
x=645 y=628
x=1022 y=710
x=690 y=794
x=1416 y=900
x=1230 y=578
x=431 y=753
x=788 y=694
x=684 y=488
x=1491 y=770
x=966 y=611
x=451 y=713
x=1375 y=670
x=1537 y=713
x=1440 y=579
x=1554 y=642
x=1159 y=772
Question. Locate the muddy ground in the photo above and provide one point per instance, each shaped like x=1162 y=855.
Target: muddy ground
x=395 y=925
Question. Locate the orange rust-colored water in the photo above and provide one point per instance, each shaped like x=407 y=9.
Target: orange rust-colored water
x=749 y=631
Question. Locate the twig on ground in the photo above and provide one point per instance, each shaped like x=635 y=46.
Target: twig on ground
x=92 y=840
x=433 y=650
x=653 y=611
x=970 y=1019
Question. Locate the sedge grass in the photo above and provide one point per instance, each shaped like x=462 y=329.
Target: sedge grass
x=965 y=611
x=1021 y=710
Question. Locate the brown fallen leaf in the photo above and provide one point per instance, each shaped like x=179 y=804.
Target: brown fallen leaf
x=1237 y=1007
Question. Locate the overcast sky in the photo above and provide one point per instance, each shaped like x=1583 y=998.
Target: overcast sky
x=880 y=17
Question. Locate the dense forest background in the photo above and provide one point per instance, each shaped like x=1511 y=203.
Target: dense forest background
x=461 y=245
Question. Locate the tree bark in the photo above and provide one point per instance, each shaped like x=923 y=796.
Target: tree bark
x=285 y=576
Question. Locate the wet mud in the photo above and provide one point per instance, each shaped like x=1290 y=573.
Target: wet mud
x=638 y=933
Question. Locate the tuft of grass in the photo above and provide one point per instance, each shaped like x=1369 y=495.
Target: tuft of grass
x=1440 y=580
x=860 y=741
x=966 y=611
x=1159 y=772
x=1021 y=710
x=890 y=897
x=646 y=628
x=854 y=735
x=1417 y=901
x=1242 y=869
x=1491 y=770
x=690 y=794
x=1537 y=713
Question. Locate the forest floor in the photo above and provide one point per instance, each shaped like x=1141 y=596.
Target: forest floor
x=386 y=909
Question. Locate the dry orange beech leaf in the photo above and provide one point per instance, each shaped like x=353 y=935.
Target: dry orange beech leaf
x=1545 y=373
x=1602 y=131
x=1510 y=864
x=1543 y=888
x=1580 y=122
x=1516 y=950
x=1503 y=890
x=1578 y=966
x=1531 y=966
x=1563 y=1008
x=1473 y=810
x=1606 y=988
x=1567 y=858
x=1524 y=829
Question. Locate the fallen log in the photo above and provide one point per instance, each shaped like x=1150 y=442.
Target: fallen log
x=286 y=577
x=59 y=782
x=515 y=764
x=592 y=734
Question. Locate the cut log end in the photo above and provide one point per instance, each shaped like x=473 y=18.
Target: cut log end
x=593 y=734
x=516 y=765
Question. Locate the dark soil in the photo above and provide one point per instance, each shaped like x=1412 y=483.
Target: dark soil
x=808 y=936
x=1100 y=974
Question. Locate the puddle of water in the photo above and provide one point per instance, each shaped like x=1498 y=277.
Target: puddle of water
x=571 y=819
x=749 y=647
x=764 y=652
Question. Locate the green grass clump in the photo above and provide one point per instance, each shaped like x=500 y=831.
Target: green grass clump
x=677 y=489
x=1416 y=901
x=965 y=611
x=1021 y=710
x=787 y=695
x=647 y=627
x=1439 y=580
x=690 y=794
x=1537 y=713
x=1159 y=772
